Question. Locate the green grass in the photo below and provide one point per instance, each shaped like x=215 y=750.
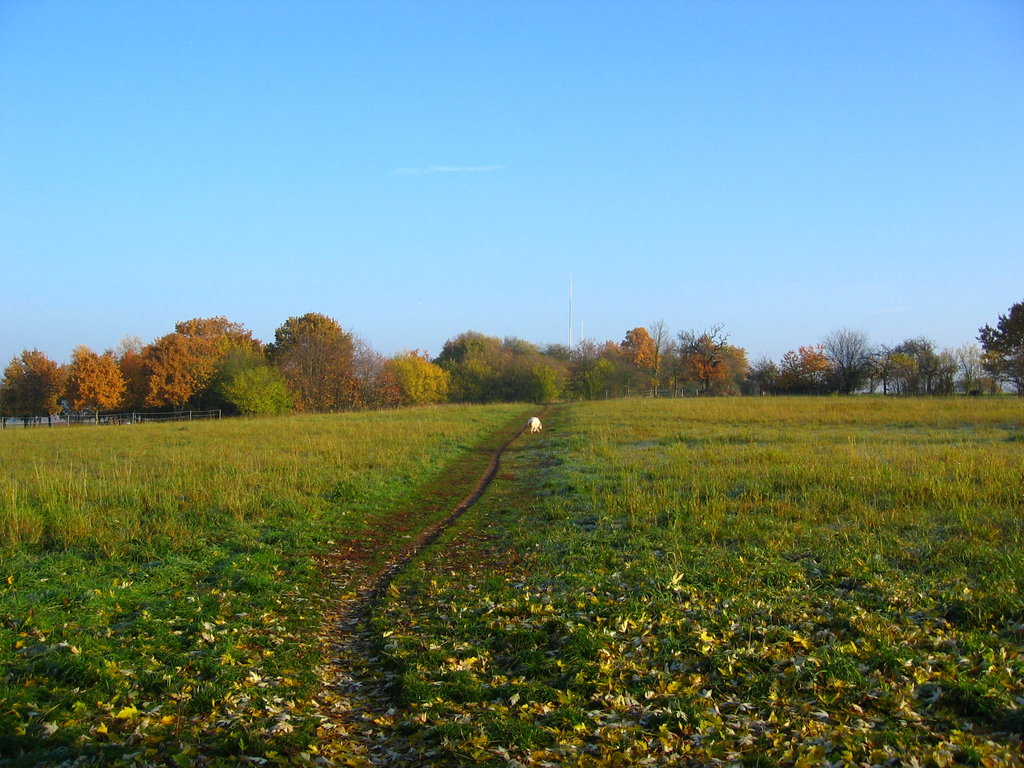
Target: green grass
x=759 y=581
x=764 y=581
x=158 y=588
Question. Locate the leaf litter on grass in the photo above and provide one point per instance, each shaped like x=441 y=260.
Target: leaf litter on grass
x=593 y=611
x=199 y=649
x=359 y=720
x=732 y=628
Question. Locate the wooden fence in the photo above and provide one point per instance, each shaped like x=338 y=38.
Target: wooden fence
x=86 y=419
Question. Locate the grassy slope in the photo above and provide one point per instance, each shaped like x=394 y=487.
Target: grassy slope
x=157 y=585
x=770 y=581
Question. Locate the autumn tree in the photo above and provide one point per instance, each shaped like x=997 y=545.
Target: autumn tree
x=219 y=340
x=661 y=341
x=736 y=370
x=181 y=367
x=132 y=364
x=805 y=371
x=639 y=349
x=177 y=369
x=1004 y=347
x=386 y=392
x=419 y=380
x=315 y=356
x=94 y=382
x=702 y=357
x=638 y=360
x=31 y=386
x=372 y=384
x=220 y=331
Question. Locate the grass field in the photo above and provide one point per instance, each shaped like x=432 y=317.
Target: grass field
x=713 y=581
x=755 y=582
x=158 y=592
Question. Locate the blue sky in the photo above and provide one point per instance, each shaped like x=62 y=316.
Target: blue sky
x=418 y=169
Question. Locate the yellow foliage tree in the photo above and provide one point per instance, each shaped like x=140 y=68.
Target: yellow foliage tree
x=420 y=381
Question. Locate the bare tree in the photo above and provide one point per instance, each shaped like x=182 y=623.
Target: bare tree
x=852 y=355
x=659 y=333
x=946 y=366
x=968 y=360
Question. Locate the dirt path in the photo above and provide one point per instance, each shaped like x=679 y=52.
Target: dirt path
x=358 y=718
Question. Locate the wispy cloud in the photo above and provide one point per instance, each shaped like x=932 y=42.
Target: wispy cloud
x=446 y=169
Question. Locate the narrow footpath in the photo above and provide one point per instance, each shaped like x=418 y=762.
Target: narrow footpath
x=358 y=719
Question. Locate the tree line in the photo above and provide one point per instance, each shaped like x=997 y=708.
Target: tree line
x=314 y=365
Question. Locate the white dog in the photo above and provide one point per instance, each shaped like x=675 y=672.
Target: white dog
x=534 y=424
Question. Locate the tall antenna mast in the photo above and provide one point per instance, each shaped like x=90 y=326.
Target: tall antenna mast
x=570 y=311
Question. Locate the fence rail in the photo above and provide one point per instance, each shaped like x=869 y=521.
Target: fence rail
x=86 y=419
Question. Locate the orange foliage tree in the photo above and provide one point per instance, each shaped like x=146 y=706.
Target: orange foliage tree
x=31 y=386
x=180 y=366
x=638 y=347
x=133 y=370
x=315 y=356
x=94 y=382
x=702 y=358
x=640 y=355
x=737 y=369
x=805 y=371
x=220 y=333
